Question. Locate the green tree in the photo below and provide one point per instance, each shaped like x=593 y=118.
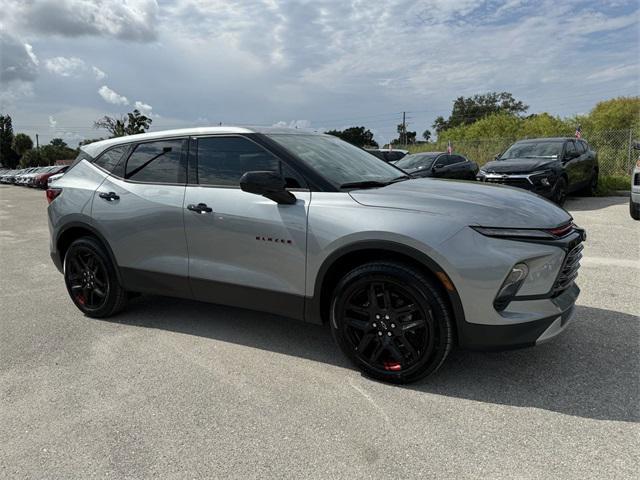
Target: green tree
x=8 y=157
x=21 y=143
x=619 y=113
x=467 y=110
x=358 y=136
x=87 y=141
x=405 y=137
x=58 y=143
x=129 y=124
x=426 y=135
x=30 y=158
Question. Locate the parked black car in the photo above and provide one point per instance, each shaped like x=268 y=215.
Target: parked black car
x=438 y=164
x=388 y=155
x=551 y=167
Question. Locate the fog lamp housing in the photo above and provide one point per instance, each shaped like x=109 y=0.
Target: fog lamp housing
x=510 y=286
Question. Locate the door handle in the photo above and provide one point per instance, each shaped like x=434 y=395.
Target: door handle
x=199 y=208
x=109 y=196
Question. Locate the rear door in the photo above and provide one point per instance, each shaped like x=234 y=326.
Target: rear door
x=573 y=165
x=139 y=210
x=244 y=249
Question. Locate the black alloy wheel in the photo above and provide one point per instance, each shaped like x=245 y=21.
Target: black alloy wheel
x=560 y=192
x=91 y=279
x=391 y=322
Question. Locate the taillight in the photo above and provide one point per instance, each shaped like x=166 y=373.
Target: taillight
x=52 y=194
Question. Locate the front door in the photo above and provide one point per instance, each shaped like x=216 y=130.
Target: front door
x=244 y=249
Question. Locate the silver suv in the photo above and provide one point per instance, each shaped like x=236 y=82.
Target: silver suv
x=308 y=226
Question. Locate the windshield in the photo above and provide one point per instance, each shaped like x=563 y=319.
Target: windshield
x=338 y=161
x=533 y=150
x=417 y=161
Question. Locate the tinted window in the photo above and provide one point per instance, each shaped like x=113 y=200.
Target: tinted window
x=157 y=162
x=548 y=149
x=109 y=159
x=416 y=161
x=569 y=148
x=223 y=161
x=457 y=159
x=582 y=146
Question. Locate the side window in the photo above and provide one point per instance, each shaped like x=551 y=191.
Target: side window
x=569 y=148
x=445 y=160
x=457 y=159
x=109 y=159
x=223 y=161
x=582 y=147
x=157 y=162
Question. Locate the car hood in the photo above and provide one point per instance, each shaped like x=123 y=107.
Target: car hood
x=519 y=165
x=470 y=202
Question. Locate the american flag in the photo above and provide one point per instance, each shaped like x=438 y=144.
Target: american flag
x=449 y=147
x=578 y=131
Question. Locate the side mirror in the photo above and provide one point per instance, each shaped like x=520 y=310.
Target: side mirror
x=268 y=184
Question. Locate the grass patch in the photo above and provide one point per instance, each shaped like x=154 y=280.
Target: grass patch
x=607 y=185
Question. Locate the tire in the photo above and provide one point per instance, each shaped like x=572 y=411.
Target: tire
x=560 y=192
x=91 y=279
x=392 y=322
x=591 y=189
x=634 y=210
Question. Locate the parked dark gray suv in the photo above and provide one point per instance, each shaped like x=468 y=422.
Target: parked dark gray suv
x=311 y=227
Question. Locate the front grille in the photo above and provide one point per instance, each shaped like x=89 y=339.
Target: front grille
x=513 y=182
x=569 y=270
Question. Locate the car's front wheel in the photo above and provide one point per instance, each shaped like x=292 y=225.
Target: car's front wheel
x=391 y=321
x=560 y=191
x=91 y=279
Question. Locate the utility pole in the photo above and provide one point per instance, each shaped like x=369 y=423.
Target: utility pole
x=38 y=148
x=403 y=137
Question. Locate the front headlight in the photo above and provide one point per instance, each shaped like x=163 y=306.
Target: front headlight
x=543 y=177
x=511 y=285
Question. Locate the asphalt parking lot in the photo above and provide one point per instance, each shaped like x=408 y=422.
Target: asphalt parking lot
x=179 y=389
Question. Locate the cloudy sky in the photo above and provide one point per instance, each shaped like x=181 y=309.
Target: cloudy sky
x=313 y=63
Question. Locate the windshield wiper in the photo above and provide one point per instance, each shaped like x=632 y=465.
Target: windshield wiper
x=364 y=184
x=374 y=183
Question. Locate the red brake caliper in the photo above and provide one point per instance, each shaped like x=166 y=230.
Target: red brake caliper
x=392 y=366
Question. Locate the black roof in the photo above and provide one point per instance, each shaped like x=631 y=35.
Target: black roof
x=545 y=139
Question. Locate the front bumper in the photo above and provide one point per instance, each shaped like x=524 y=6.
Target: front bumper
x=532 y=183
x=477 y=336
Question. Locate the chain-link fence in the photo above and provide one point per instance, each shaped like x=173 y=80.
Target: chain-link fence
x=614 y=148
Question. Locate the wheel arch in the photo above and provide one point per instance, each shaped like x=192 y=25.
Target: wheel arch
x=74 y=230
x=348 y=257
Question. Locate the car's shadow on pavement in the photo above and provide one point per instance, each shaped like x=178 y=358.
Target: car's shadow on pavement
x=589 y=371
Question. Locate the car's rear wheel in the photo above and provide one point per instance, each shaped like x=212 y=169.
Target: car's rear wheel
x=591 y=189
x=560 y=191
x=91 y=279
x=391 y=321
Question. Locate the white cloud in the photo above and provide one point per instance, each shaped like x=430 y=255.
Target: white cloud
x=110 y=96
x=65 y=67
x=52 y=122
x=17 y=61
x=144 y=108
x=31 y=54
x=100 y=75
